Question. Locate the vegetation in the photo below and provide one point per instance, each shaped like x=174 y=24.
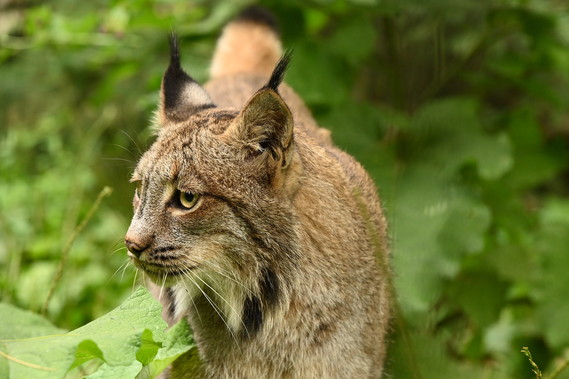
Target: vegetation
x=459 y=110
x=128 y=341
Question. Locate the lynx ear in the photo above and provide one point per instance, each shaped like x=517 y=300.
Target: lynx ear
x=180 y=95
x=264 y=128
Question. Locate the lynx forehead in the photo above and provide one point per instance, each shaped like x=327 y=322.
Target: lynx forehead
x=254 y=227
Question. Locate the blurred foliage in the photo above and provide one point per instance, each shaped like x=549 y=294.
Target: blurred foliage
x=459 y=110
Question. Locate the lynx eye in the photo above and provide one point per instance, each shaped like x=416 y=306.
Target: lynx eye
x=188 y=200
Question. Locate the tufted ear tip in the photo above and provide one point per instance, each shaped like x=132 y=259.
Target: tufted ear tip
x=181 y=96
x=174 y=50
x=278 y=72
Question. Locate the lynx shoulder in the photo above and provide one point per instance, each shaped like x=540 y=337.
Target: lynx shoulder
x=251 y=224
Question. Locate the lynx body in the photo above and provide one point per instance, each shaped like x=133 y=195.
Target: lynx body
x=252 y=225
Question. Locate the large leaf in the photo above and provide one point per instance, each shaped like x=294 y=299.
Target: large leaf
x=126 y=339
x=450 y=135
x=436 y=219
x=434 y=225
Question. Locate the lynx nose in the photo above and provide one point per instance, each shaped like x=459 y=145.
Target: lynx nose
x=136 y=247
x=138 y=238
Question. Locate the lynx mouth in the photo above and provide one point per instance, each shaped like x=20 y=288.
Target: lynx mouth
x=160 y=272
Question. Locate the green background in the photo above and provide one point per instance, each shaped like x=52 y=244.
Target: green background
x=458 y=109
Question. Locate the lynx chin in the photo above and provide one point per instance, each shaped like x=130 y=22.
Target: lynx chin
x=253 y=226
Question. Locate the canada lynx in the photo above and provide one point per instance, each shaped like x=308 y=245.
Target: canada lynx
x=255 y=227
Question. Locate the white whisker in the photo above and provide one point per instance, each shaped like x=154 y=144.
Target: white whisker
x=214 y=291
x=215 y=308
x=122 y=266
x=192 y=300
x=128 y=262
x=165 y=275
x=220 y=270
x=237 y=314
x=120 y=160
x=134 y=280
x=118 y=249
x=133 y=141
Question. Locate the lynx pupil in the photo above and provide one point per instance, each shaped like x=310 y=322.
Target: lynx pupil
x=187 y=199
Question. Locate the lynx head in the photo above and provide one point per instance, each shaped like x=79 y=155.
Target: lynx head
x=213 y=211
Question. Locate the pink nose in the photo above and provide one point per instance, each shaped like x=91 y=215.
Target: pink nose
x=135 y=247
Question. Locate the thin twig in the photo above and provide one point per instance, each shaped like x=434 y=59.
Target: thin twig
x=24 y=363
x=59 y=273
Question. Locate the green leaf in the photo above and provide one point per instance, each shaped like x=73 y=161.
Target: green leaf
x=342 y=123
x=498 y=337
x=107 y=372
x=176 y=343
x=86 y=351
x=148 y=348
x=133 y=332
x=534 y=163
x=451 y=135
x=551 y=287
x=20 y=324
x=357 y=29
x=480 y=294
x=435 y=224
x=318 y=75
x=425 y=356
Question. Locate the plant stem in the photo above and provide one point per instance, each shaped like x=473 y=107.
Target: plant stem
x=562 y=365
x=59 y=273
x=534 y=366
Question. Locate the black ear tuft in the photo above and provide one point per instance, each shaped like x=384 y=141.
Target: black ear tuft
x=181 y=95
x=279 y=71
x=175 y=78
x=174 y=51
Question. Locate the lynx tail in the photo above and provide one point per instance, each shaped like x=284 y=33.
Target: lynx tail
x=250 y=43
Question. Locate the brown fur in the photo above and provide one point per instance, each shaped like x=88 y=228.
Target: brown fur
x=245 y=46
x=284 y=256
